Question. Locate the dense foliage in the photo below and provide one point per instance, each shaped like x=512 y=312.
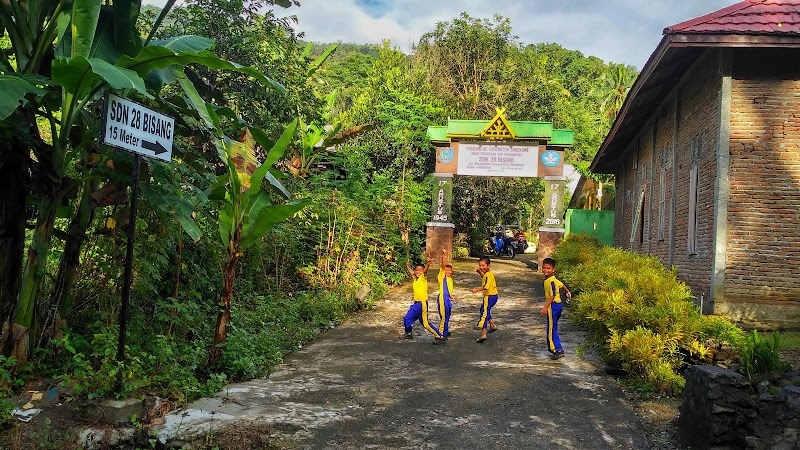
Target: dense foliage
x=334 y=139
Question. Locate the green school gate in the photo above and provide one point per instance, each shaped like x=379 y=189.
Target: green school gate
x=499 y=148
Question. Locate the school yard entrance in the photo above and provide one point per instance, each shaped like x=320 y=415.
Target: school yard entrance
x=359 y=386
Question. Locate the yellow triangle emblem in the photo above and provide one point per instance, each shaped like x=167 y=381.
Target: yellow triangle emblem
x=498 y=128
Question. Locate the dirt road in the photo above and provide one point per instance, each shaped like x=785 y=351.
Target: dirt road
x=359 y=386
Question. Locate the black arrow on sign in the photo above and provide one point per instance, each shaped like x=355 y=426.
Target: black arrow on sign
x=155 y=147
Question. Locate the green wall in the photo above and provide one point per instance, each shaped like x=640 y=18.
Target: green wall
x=599 y=224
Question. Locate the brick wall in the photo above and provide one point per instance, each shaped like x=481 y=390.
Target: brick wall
x=664 y=125
x=763 y=246
x=762 y=267
x=625 y=202
x=697 y=106
x=698 y=134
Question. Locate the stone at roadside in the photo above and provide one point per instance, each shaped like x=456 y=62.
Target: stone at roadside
x=721 y=408
x=362 y=294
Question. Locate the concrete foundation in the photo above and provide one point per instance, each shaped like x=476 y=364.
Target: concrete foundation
x=549 y=238
x=438 y=235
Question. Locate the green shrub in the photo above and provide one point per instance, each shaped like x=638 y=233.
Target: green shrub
x=576 y=249
x=460 y=246
x=12 y=378
x=762 y=356
x=266 y=328
x=720 y=331
x=165 y=365
x=638 y=314
x=649 y=356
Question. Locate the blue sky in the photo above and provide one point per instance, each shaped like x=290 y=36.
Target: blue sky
x=625 y=31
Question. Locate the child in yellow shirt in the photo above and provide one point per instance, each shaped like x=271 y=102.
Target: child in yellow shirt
x=552 y=309
x=489 y=289
x=418 y=311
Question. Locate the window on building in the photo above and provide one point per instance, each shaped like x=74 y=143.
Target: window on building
x=666 y=157
x=695 y=149
x=693 y=198
x=641 y=222
x=638 y=215
x=662 y=203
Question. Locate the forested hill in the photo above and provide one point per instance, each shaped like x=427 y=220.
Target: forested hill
x=469 y=66
x=465 y=69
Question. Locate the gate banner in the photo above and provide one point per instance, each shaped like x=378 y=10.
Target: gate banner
x=554 y=202
x=497 y=159
x=442 y=198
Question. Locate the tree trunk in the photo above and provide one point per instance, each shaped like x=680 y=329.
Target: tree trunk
x=14 y=184
x=24 y=322
x=224 y=315
x=62 y=296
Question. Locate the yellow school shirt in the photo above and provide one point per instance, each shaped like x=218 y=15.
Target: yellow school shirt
x=441 y=283
x=420 y=289
x=489 y=283
x=551 y=287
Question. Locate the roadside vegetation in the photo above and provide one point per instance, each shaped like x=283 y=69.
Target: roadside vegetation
x=643 y=320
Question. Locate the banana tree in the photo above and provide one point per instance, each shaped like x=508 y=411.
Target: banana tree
x=248 y=211
x=66 y=55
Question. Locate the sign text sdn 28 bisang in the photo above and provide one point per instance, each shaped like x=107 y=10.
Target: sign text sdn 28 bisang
x=133 y=127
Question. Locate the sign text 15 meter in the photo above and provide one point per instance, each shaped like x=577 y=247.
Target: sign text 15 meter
x=135 y=128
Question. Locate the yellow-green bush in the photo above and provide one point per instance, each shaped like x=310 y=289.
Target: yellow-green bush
x=720 y=331
x=460 y=246
x=648 y=355
x=639 y=314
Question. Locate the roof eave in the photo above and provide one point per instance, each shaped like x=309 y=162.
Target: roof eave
x=732 y=40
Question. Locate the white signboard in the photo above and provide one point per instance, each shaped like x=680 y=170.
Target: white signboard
x=130 y=126
x=487 y=159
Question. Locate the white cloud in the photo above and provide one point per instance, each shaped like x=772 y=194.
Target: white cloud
x=624 y=31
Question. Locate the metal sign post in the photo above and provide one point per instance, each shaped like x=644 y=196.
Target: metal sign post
x=144 y=132
x=128 y=271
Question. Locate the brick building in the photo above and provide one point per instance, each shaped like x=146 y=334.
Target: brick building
x=706 y=153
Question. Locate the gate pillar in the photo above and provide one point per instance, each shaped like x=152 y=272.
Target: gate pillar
x=551 y=231
x=438 y=235
x=439 y=231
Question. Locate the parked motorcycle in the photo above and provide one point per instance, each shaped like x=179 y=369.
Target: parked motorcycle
x=515 y=246
x=503 y=245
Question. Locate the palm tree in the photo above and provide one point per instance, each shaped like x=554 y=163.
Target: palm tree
x=616 y=84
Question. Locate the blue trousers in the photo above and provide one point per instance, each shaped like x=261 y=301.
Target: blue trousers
x=419 y=311
x=445 y=306
x=486 y=310
x=553 y=314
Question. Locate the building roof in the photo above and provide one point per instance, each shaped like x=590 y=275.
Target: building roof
x=751 y=23
x=748 y=17
x=500 y=128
